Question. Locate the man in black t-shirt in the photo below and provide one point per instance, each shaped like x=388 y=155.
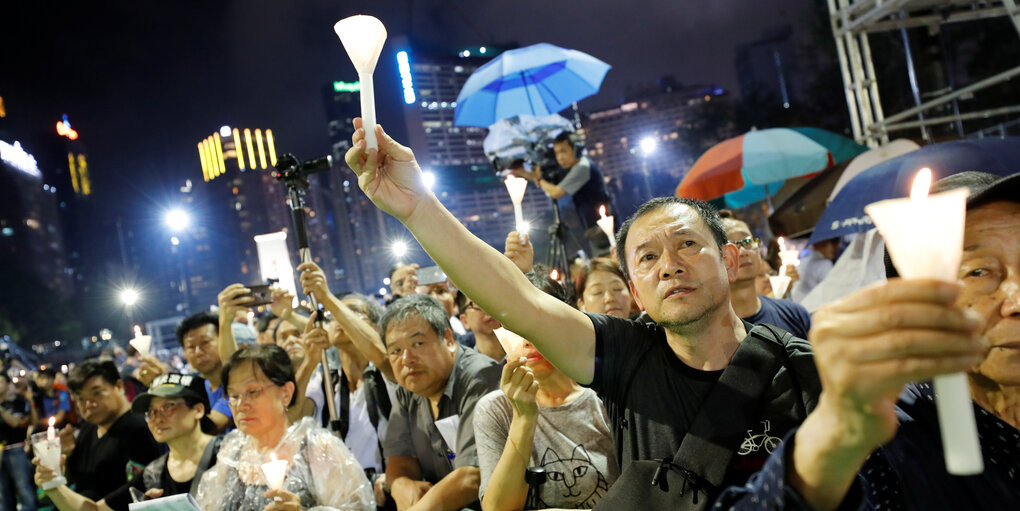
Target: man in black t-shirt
x=113 y=440
x=653 y=377
x=15 y=472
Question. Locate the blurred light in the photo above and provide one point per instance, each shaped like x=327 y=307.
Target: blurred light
x=14 y=380
x=348 y=86
x=399 y=248
x=429 y=179
x=129 y=297
x=8 y=231
x=56 y=343
x=64 y=129
x=482 y=50
x=251 y=150
x=63 y=368
x=404 y=66
x=224 y=131
x=272 y=147
x=239 y=149
x=220 y=163
x=22 y=372
x=174 y=240
x=382 y=291
x=177 y=220
x=262 y=151
x=524 y=227
x=386 y=281
x=648 y=145
x=105 y=334
x=205 y=162
x=18 y=158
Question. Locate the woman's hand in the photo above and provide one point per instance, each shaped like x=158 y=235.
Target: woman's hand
x=520 y=387
x=283 y=500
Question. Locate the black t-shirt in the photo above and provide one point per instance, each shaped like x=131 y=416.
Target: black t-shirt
x=120 y=499
x=99 y=465
x=652 y=417
x=18 y=406
x=790 y=316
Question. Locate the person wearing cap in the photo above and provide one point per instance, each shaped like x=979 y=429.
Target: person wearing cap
x=874 y=441
x=176 y=409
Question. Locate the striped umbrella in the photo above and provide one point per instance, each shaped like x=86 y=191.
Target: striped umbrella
x=754 y=165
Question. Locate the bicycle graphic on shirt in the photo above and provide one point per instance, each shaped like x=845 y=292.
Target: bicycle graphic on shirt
x=754 y=443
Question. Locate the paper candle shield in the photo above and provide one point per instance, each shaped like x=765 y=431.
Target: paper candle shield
x=275 y=472
x=512 y=343
x=141 y=344
x=363 y=38
x=779 y=285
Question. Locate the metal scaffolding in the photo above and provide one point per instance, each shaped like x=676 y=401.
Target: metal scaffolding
x=852 y=22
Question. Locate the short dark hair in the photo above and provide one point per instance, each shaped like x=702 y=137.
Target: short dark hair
x=271 y=359
x=539 y=277
x=708 y=215
x=564 y=138
x=197 y=321
x=262 y=324
x=405 y=308
x=597 y=264
x=90 y=368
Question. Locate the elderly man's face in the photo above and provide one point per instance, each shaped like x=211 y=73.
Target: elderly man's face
x=405 y=280
x=422 y=361
x=990 y=275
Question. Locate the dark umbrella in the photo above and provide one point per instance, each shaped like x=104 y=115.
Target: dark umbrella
x=798 y=213
x=892 y=179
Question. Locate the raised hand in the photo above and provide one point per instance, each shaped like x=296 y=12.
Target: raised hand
x=389 y=176
x=521 y=253
x=313 y=282
x=520 y=387
x=315 y=339
x=233 y=298
x=282 y=305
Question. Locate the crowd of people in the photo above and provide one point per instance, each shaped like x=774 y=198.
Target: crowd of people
x=665 y=376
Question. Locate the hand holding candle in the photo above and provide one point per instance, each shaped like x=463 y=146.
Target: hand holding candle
x=47 y=448
x=141 y=343
x=517 y=186
x=924 y=237
x=363 y=38
x=606 y=224
x=275 y=471
x=787 y=257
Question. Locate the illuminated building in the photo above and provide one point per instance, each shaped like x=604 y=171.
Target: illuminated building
x=31 y=235
x=228 y=144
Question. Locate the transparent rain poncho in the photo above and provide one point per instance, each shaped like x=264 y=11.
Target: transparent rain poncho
x=322 y=472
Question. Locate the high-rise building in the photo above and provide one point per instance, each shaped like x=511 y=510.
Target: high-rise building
x=645 y=146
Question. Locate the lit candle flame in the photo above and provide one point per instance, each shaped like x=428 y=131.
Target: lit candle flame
x=602 y=211
x=53 y=421
x=554 y=274
x=138 y=331
x=782 y=244
x=922 y=182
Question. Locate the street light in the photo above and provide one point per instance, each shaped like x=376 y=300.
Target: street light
x=399 y=249
x=177 y=220
x=648 y=145
x=129 y=297
x=429 y=179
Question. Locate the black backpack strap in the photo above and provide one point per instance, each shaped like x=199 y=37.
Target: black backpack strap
x=345 y=406
x=615 y=411
x=721 y=423
x=208 y=460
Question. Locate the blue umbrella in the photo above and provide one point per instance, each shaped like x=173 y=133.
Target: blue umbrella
x=540 y=79
x=891 y=179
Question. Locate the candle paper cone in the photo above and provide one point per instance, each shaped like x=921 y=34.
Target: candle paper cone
x=275 y=472
x=363 y=38
x=141 y=344
x=779 y=285
x=512 y=343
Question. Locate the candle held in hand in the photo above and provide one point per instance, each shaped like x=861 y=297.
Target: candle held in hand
x=606 y=224
x=275 y=472
x=363 y=38
x=787 y=257
x=516 y=186
x=924 y=237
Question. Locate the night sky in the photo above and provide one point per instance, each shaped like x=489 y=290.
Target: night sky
x=143 y=82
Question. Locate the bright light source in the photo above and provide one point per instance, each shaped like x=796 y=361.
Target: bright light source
x=648 y=145
x=224 y=131
x=386 y=281
x=177 y=220
x=429 y=179
x=382 y=291
x=523 y=227
x=174 y=240
x=482 y=50
x=129 y=297
x=399 y=248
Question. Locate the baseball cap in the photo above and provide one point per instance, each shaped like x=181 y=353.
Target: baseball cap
x=173 y=385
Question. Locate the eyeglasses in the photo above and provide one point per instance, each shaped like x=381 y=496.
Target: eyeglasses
x=162 y=411
x=749 y=243
x=249 y=395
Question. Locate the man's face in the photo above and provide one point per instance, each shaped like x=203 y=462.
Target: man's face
x=201 y=347
x=44 y=381
x=99 y=402
x=288 y=337
x=565 y=155
x=442 y=292
x=404 y=280
x=421 y=360
x=170 y=418
x=990 y=275
x=748 y=260
x=676 y=270
x=477 y=320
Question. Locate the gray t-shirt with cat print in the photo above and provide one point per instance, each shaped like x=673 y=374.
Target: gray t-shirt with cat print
x=573 y=443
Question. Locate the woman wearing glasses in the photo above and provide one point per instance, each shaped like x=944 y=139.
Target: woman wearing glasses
x=321 y=473
x=175 y=409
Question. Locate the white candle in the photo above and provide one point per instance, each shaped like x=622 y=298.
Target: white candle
x=363 y=38
x=787 y=257
x=606 y=223
x=51 y=432
x=275 y=471
x=779 y=285
x=924 y=237
x=516 y=186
